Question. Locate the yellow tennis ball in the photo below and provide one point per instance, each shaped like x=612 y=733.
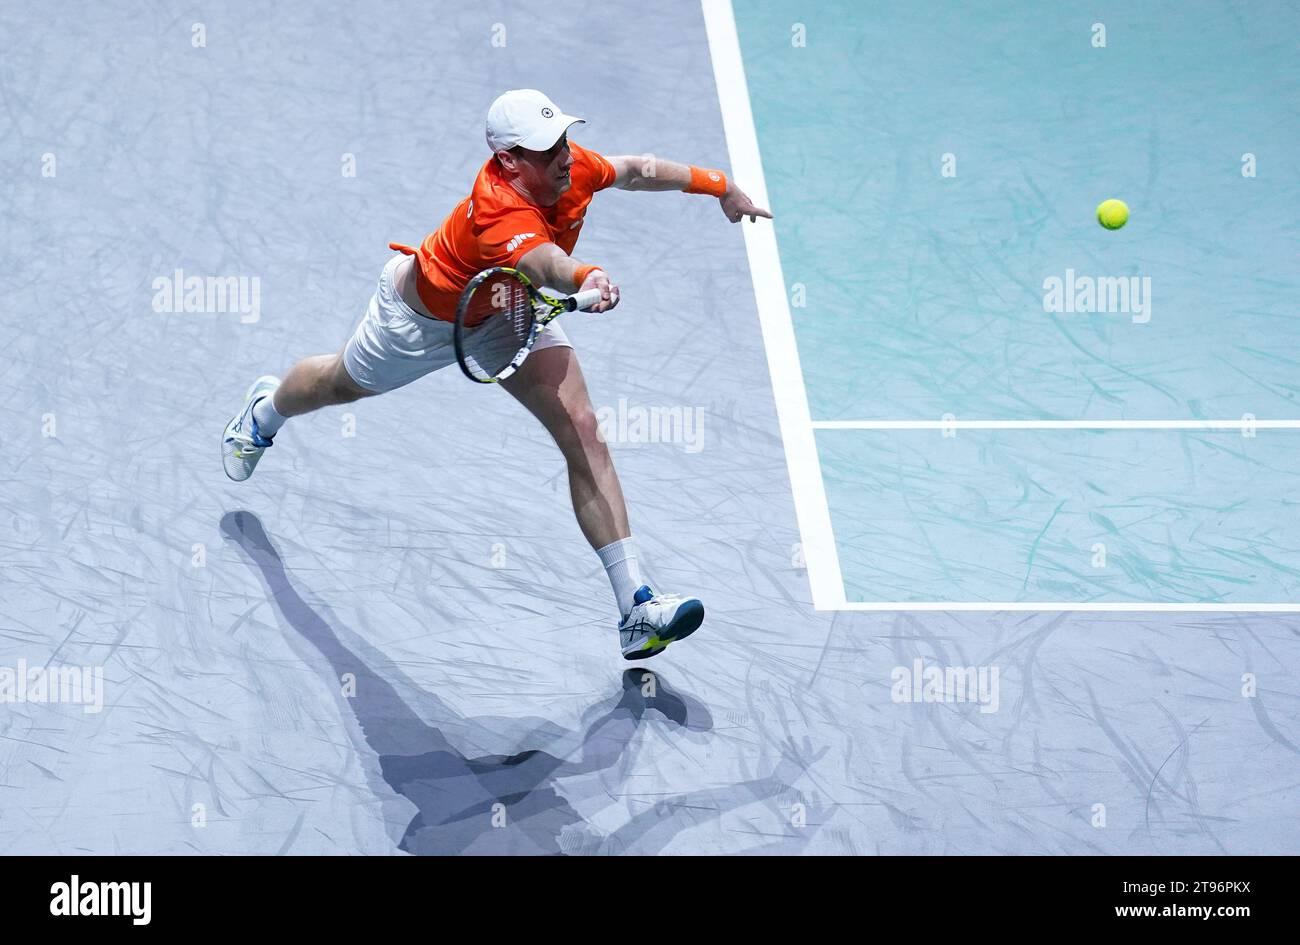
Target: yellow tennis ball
x=1112 y=214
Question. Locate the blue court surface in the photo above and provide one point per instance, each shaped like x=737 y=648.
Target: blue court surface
x=993 y=511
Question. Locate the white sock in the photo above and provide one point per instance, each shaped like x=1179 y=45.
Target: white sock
x=268 y=418
x=619 y=559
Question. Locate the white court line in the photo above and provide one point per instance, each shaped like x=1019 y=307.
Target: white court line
x=1136 y=607
x=1243 y=424
x=797 y=426
x=811 y=509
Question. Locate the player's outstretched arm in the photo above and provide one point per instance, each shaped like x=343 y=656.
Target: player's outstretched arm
x=549 y=265
x=649 y=172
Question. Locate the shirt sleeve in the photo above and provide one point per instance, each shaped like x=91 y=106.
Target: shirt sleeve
x=600 y=172
x=507 y=239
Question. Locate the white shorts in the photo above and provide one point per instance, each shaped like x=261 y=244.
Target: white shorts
x=394 y=345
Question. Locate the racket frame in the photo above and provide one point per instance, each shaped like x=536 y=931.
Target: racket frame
x=546 y=308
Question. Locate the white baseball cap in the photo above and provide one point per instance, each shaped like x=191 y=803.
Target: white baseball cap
x=527 y=118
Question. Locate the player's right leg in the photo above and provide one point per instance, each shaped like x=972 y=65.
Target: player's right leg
x=551 y=385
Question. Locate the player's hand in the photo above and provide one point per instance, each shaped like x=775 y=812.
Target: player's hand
x=737 y=206
x=597 y=279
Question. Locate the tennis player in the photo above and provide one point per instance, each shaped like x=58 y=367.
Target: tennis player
x=525 y=210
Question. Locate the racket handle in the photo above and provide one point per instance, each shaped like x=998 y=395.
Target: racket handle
x=585 y=300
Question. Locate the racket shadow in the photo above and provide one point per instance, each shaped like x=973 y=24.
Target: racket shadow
x=465 y=803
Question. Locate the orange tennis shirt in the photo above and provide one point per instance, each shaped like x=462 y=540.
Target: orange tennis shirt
x=496 y=226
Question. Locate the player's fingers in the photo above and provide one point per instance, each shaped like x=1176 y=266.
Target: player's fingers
x=608 y=296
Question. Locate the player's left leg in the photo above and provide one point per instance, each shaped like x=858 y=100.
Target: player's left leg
x=390 y=347
x=550 y=384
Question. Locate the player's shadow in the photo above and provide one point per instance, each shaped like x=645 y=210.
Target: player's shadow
x=490 y=803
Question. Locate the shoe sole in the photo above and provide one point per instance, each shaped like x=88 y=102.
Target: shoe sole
x=252 y=389
x=688 y=620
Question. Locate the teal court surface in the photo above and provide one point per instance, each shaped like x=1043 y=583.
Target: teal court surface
x=987 y=400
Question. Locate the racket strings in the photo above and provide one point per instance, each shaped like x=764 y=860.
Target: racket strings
x=498 y=325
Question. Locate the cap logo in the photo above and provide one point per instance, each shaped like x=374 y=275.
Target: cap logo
x=547 y=113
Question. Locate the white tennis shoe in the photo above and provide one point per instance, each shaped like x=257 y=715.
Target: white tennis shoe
x=656 y=620
x=242 y=446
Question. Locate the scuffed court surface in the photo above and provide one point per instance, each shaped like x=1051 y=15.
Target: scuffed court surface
x=417 y=551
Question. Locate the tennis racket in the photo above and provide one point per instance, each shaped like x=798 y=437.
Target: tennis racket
x=498 y=320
